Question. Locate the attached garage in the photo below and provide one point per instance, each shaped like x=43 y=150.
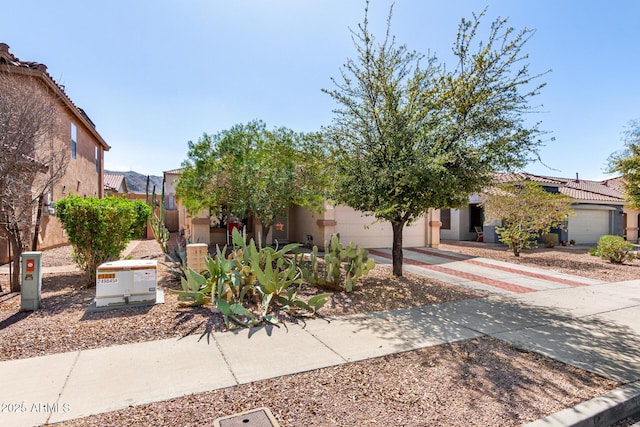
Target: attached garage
x=366 y=232
x=590 y=223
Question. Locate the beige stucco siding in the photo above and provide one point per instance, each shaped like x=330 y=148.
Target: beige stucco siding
x=304 y=223
x=81 y=177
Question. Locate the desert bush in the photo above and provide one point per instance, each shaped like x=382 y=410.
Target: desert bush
x=550 y=240
x=614 y=249
x=527 y=211
x=99 y=229
x=143 y=213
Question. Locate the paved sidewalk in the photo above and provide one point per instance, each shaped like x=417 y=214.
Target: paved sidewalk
x=594 y=327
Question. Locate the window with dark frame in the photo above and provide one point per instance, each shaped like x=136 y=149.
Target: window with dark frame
x=74 y=140
x=445 y=219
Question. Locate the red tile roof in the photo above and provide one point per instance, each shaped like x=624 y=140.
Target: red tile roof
x=579 y=189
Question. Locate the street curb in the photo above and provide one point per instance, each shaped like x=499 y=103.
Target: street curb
x=600 y=411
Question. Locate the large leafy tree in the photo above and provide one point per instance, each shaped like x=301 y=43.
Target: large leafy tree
x=627 y=163
x=250 y=170
x=527 y=211
x=411 y=134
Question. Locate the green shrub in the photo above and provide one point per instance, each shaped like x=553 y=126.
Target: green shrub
x=615 y=249
x=143 y=213
x=99 y=229
x=550 y=240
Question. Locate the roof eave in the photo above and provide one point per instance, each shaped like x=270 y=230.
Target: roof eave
x=62 y=95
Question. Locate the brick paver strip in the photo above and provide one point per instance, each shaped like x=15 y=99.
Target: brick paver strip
x=491 y=282
x=500 y=267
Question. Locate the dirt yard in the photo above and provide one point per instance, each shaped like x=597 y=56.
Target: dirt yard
x=477 y=382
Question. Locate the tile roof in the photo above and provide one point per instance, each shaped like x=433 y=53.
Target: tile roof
x=503 y=178
x=579 y=189
x=113 y=182
x=7 y=58
x=617 y=183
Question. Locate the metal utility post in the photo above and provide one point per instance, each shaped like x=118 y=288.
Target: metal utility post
x=31 y=286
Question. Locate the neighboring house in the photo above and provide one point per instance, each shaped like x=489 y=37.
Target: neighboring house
x=115 y=185
x=630 y=217
x=303 y=226
x=78 y=135
x=174 y=215
x=599 y=207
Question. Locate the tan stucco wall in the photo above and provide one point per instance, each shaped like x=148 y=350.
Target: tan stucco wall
x=303 y=223
x=80 y=177
x=632 y=224
x=171 y=221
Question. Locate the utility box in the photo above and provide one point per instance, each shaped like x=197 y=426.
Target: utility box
x=126 y=282
x=31 y=284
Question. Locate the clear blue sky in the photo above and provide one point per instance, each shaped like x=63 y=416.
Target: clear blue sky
x=155 y=74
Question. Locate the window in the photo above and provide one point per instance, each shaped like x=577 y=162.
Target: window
x=74 y=140
x=170 y=202
x=445 y=219
x=97 y=160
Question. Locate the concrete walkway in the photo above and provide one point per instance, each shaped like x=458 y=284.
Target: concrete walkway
x=592 y=325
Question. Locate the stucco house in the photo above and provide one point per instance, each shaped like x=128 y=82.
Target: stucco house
x=599 y=207
x=77 y=134
x=302 y=226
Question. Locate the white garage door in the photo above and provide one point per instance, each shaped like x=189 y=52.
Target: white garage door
x=588 y=225
x=364 y=231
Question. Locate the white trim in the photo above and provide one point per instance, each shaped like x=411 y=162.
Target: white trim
x=594 y=207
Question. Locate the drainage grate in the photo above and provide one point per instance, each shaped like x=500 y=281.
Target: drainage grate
x=261 y=417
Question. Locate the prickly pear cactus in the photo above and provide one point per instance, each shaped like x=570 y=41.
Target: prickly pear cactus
x=353 y=259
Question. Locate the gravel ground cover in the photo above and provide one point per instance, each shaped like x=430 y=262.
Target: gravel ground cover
x=476 y=382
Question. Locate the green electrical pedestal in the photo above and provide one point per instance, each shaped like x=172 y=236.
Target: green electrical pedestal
x=31 y=285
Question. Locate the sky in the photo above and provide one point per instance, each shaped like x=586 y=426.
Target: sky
x=155 y=74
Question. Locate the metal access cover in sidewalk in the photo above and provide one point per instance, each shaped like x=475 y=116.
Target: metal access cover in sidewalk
x=260 y=417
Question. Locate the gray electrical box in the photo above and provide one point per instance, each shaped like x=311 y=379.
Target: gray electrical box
x=31 y=286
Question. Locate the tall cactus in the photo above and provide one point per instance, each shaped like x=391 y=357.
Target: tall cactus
x=160 y=232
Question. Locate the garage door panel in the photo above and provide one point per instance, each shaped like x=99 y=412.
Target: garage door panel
x=366 y=232
x=588 y=225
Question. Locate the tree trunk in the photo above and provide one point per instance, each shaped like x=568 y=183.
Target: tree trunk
x=36 y=232
x=15 y=274
x=264 y=232
x=396 y=251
